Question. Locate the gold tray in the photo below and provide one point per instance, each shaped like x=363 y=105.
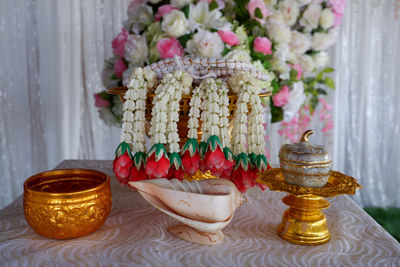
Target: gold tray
x=338 y=184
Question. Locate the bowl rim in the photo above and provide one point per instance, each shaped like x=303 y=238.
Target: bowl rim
x=59 y=172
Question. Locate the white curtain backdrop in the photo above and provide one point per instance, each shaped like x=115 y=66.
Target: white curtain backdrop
x=52 y=53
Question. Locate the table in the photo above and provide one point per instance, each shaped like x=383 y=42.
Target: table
x=136 y=234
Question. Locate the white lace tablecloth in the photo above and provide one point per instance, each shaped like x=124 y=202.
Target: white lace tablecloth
x=136 y=234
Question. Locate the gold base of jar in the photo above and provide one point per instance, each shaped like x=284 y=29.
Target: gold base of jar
x=304 y=223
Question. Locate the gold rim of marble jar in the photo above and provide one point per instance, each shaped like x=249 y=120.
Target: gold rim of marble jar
x=306 y=163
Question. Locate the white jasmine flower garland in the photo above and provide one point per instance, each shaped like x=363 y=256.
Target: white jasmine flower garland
x=210 y=107
x=194 y=113
x=133 y=127
x=224 y=112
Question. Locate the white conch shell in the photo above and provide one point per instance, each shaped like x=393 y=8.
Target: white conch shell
x=206 y=205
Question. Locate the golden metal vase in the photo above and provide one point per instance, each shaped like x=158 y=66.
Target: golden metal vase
x=67 y=203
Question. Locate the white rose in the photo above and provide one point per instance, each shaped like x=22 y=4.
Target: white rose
x=175 y=24
x=321 y=59
x=180 y=3
x=322 y=41
x=306 y=63
x=136 y=50
x=241 y=55
x=278 y=30
x=310 y=19
x=290 y=11
x=296 y=99
x=300 y=43
x=281 y=67
x=327 y=18
x=206 y=44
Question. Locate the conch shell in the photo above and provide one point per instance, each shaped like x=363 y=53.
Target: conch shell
x=204 y=206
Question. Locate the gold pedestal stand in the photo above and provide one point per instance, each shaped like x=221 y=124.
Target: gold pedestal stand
x=304 y=223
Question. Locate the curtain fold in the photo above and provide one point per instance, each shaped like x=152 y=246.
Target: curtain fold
x=52 y=54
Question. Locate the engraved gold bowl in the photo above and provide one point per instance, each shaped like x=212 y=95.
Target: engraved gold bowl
x=68 y=203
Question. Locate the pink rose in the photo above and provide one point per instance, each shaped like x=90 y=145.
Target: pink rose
x=169 y=47
x=118 y=44
x=262 y=45
x=119 y=67
x=100 y=102
x=163 y=10
x=282 y=97
x=253 y=5
x=229 y=38
x=298 y=68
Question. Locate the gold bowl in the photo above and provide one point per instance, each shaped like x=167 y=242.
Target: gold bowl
x=67 y=203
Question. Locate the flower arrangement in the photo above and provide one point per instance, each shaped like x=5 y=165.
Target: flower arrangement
x=208 y=105
x=285 y=39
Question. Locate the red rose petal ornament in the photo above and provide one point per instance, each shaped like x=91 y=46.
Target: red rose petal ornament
x=138 y=170
x=122 y=163
x=175 y=169
x=157 y=162
x=190 y=157
x=214 y=158
x=228 y=165
x=243 y=175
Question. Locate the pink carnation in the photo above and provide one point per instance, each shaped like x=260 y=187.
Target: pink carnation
x=262 y=45
x=282 y=97
x=229 y=38
x=253 y=5
x=119 y=67
x=169 y=47
x=100 y=102
x=118 y=44
x=163 y=10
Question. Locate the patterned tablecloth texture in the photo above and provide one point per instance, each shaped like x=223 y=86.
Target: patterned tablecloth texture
x=136 y=234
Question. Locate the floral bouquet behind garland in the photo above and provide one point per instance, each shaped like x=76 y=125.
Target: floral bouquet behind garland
x=286 y=39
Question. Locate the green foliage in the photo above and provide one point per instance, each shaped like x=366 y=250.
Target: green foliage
x=185 y=10
x=184 y=39
x=275 y=86
x=313 y=87
x=388 y=218
x=329 y=82
x=226 y=51
x=104 y=95
x=276 y=112
x=258 y=13
x=213 y=5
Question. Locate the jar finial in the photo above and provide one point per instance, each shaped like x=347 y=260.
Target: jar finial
x=305 y=135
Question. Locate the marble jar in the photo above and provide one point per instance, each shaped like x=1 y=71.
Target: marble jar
x=305 y=164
